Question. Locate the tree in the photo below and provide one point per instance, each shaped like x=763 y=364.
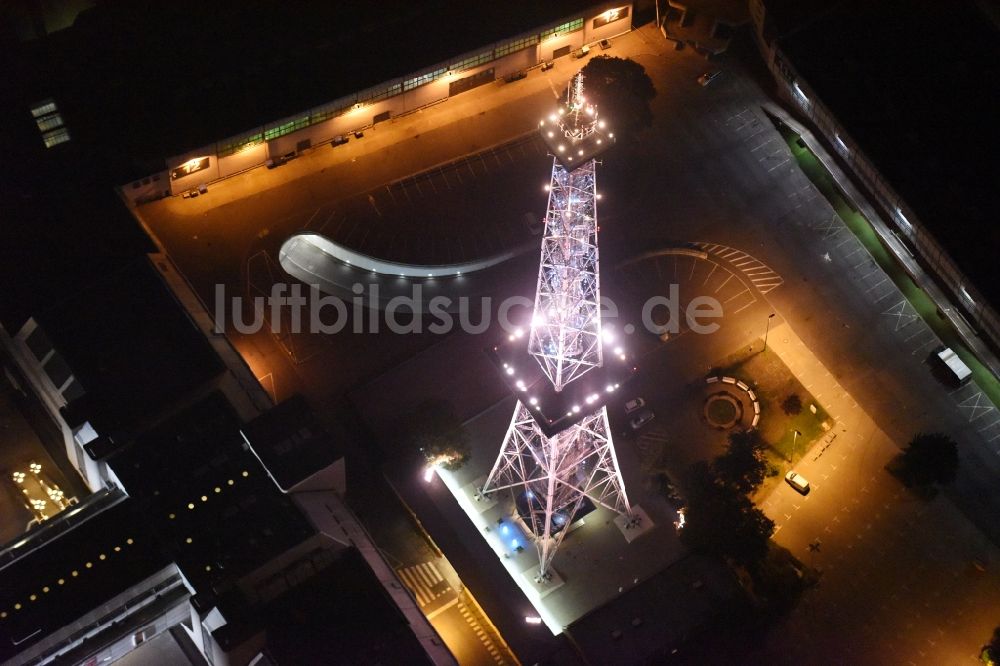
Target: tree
x=742 y=466
x=792 y=405
x=991 y=651
x=930 y=458
x=621 y=90
x=721 y=520
x=436 y=431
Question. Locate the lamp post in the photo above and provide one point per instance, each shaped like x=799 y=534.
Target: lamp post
x=795 y=436
x=766 y=329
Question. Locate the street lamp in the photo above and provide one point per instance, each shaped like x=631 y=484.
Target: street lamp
x=766 y=329
x=795 y=435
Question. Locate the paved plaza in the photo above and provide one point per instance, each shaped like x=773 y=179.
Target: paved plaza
x=714 y=177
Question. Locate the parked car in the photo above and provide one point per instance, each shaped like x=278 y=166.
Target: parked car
x=797 y=481
x=634 y=404
x=641 y=419
x=708 y=77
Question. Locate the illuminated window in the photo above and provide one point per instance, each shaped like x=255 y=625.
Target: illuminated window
x=240 y=143
x=50 y=123
x=376 y=94
x=46 y=123
x=56 y=137
x=516 y=45
x=418 y=81
x=286 y=128
x=473 y=61
x=569 y=26
x=331 y=110
x=43 y=108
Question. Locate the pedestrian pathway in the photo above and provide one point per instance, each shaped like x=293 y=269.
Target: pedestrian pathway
x=888 y=562
x=426 y=583
x=482 y=634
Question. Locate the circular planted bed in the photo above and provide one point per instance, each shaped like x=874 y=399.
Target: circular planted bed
x=723 y=410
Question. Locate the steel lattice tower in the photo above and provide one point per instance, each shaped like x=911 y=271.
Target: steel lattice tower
x=552 y=476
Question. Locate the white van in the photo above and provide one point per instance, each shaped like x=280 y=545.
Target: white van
x=955 y=365
x=797 y=481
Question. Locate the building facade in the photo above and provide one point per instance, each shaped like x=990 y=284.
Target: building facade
x=492 y=63
x=974 y=314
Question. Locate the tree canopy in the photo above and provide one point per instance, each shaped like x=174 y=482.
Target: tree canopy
x=621 y=90
x=742 y=466
x=792 y=405
x=721 y=520
x=930 y=458
x=991 y=651
x=437 y=432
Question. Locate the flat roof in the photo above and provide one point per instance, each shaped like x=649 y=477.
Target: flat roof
x=650 y=621
x=74 y=574
x=130 y=345
x=912 y=88
x=206 y=498
x=341 y=615
x=292 y=443
x=179 y=75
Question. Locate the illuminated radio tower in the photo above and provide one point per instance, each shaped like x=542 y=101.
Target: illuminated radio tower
x=552 y=476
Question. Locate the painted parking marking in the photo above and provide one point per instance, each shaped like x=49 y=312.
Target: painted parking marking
x=736 y=295
x=783 y=163
x=828 y=224
x=710 y=273
x=913 y=335
x=903 y=312
x=975 y=405
x=924 y=346
x=730 y=277
x=880 y=282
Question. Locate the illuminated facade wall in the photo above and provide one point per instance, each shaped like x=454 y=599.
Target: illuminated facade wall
x=397 y=97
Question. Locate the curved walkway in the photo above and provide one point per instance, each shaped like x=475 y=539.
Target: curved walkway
x=295 y=247
x=317 y=261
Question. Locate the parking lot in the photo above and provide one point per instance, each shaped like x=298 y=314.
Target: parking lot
x=714 y=171
x=467 y=209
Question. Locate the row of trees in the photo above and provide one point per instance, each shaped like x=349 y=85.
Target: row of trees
x=720 y=518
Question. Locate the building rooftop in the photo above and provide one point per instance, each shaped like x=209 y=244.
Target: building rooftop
x=341 y=615
x=910 y=87
x=785 y=16
x=73 y=574
x=206 y=497
x=292 y=443
x=130 y=346
x=179 y=75
x=650 y=621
